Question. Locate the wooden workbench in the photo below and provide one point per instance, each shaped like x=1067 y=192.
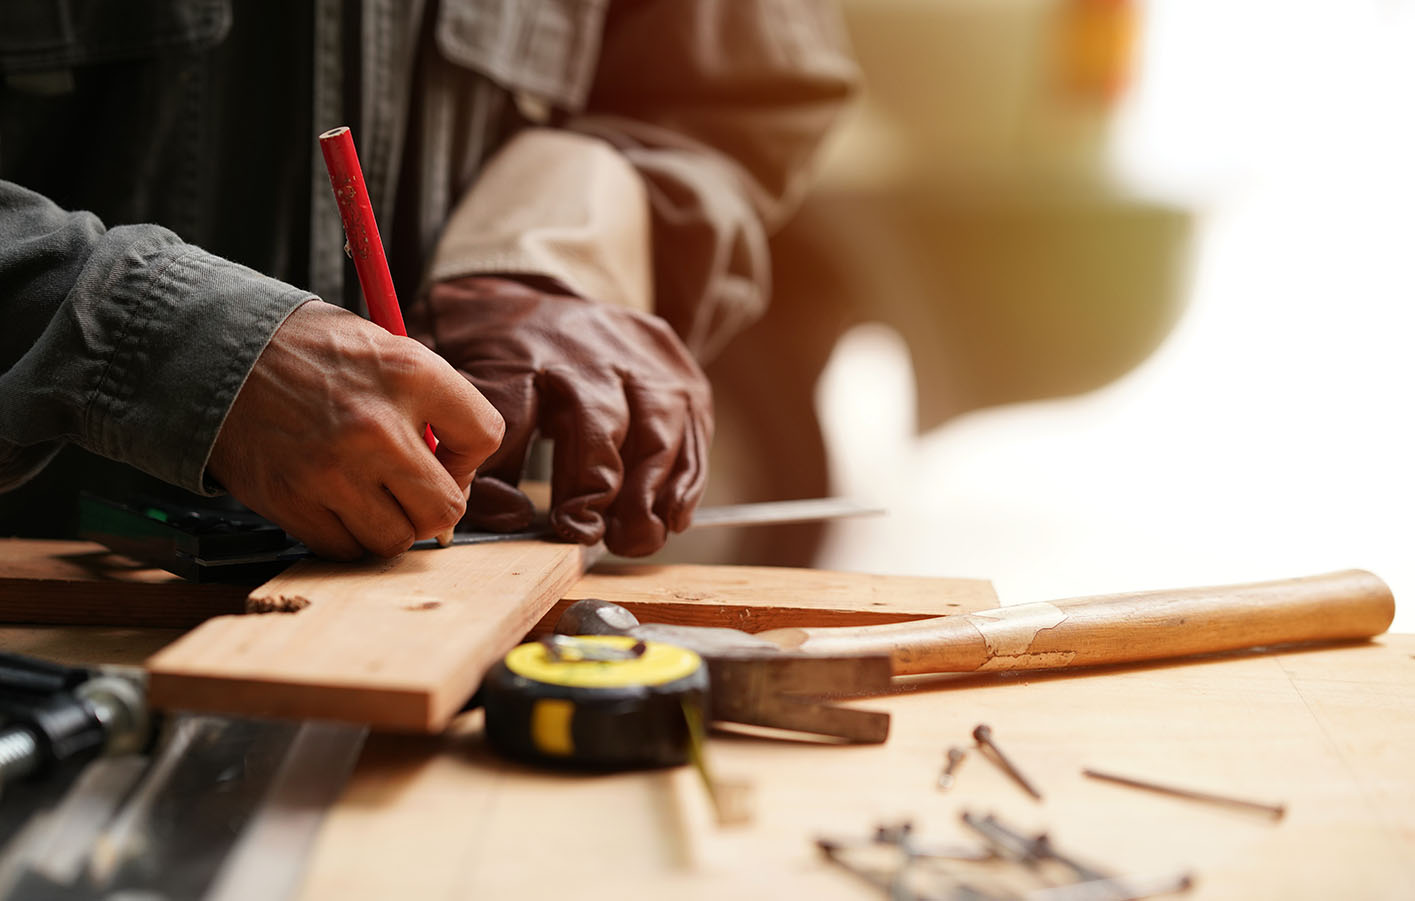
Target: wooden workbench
x=1330 y=732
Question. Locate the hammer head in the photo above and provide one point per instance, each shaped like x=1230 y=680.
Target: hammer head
x=593 y=616
x=753 y=680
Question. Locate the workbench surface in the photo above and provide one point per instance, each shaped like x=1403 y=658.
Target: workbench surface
x=1329 y=732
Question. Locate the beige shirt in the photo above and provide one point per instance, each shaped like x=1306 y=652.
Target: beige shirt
x=653 y=146
x=557 y=204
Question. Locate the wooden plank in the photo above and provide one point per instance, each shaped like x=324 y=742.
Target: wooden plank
x=87 y=645
x=756 y=598
x=1326 y=730
x=82 y=583
x=399 y=644
x=321 y=663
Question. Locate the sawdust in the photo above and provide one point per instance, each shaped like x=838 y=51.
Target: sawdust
x=280 y=603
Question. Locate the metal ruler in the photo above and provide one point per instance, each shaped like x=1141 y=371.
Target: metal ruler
x=224 y=809
x=728 y=515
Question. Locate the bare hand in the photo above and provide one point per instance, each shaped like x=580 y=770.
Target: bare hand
x=628 y=408
x=326 y=436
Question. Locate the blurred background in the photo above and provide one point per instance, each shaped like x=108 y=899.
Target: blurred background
x=1097 y=295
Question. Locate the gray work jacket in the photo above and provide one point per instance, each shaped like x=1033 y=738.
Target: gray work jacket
x=131 y=339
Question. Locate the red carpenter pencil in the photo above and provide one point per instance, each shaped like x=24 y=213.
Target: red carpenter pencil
x=361 y=230
x=365 y=246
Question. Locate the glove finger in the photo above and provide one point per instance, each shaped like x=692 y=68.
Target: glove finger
x=494 y=502
x=586 y=414
x=688 y=480
x=495 y=506
x=654 y=443
x=513 y=394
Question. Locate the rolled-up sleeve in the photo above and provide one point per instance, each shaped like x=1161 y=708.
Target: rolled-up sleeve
x=720 y=105
x=126 y=341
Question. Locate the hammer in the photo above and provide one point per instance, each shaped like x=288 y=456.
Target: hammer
x=753 y=681
x=1088 y=631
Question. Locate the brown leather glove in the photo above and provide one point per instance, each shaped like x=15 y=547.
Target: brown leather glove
x=629 y=410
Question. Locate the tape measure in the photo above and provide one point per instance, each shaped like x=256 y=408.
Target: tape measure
x=597 y=701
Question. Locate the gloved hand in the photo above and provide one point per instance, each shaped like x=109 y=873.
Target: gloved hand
x=629 y=410
x=325 y=437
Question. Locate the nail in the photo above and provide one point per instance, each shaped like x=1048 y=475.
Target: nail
x=1276 y=811
x=884 y=880
x=983 y=735
x=1111 y=888
x=950 y=766
x=1028 y=850
x=901 y=836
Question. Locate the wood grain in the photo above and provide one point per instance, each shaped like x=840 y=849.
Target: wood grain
x=82 y=583
x=1327 y=731
x=87 y=645
x=754 y=598
x=1120 y=628
x=399 y=644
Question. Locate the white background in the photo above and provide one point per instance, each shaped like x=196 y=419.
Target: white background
x=1271 y=435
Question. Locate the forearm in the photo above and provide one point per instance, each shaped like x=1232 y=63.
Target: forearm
x=558 y=205
x=696 y=143
x=126 y=341
x=720 y=106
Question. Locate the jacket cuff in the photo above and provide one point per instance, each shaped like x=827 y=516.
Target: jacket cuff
x=559 y=205
x=198 y=324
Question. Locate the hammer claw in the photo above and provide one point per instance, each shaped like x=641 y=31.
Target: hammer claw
x=786 y=692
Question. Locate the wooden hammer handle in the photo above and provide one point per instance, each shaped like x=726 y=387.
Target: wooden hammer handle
x=1119 y=628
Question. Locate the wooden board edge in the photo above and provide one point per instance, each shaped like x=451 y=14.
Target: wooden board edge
x=736 y=616
x=450 y=700
x=264 y=699
x=161 y=605
x=175 y=684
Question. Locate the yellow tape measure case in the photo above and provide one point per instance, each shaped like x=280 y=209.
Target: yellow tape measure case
x=595 y=702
